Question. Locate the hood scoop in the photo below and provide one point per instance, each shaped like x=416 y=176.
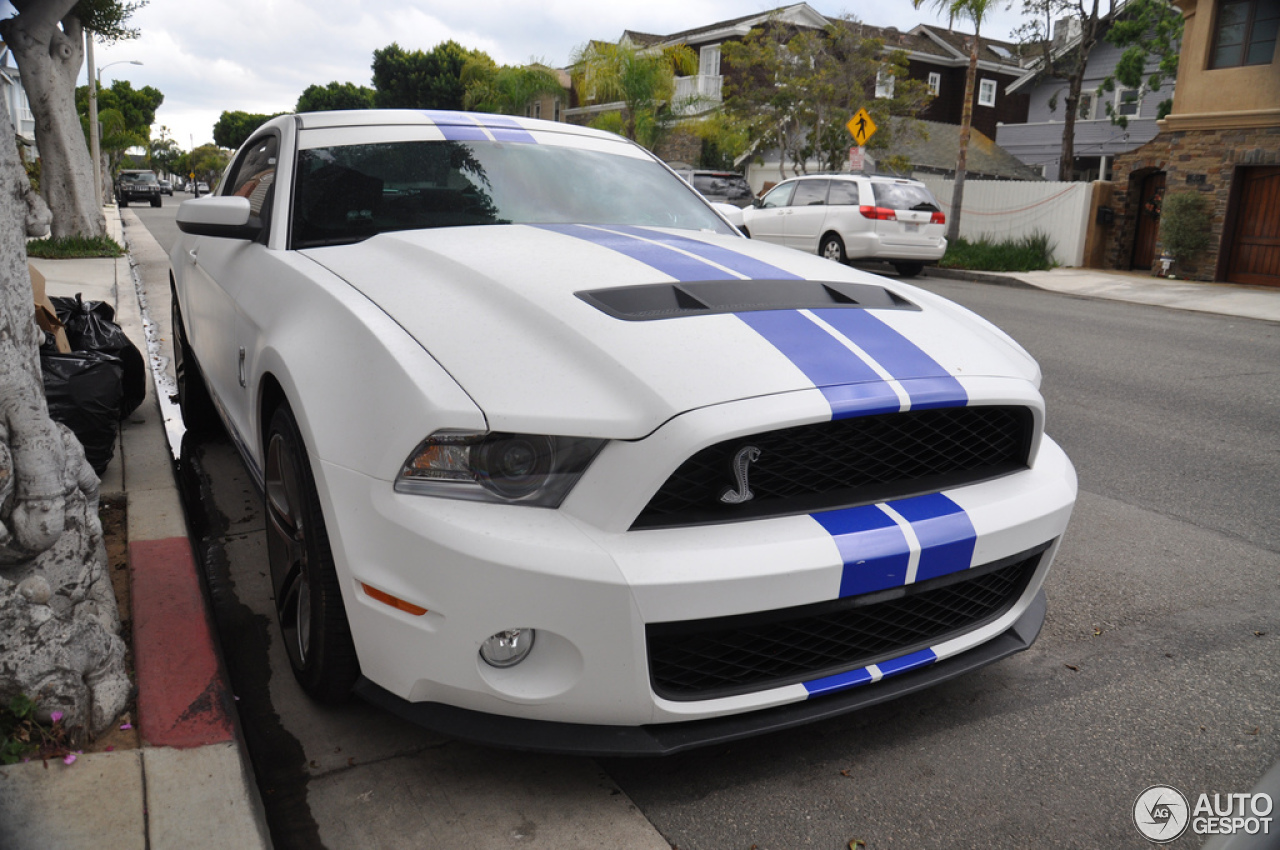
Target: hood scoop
x=647 y=302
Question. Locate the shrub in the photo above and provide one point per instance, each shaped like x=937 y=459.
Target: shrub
x=1185 y=222
x=1033 y=252
x=74 y=248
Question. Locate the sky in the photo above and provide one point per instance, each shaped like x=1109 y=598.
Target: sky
x=258 y=56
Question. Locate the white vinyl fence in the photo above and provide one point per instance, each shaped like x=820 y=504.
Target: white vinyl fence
x=1009 y=209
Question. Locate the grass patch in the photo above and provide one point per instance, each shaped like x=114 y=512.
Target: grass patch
x=1024 y=254
x=74 y=248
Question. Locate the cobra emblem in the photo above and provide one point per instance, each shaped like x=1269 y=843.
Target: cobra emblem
x=741 y=463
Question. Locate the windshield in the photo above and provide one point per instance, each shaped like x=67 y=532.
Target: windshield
x=904 y=196
x=145 y=177
x=351 y=192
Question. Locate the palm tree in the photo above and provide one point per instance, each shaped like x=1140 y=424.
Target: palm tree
x=643 y=80
x=976 y=11
x=508 y=89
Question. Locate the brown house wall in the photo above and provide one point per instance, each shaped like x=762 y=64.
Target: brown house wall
x=1186 y=157
x=946 y=107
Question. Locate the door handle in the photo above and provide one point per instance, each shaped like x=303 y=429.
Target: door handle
x=191 y=255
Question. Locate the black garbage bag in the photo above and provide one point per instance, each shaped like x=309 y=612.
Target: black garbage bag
x=84 y=390
x=90 y=326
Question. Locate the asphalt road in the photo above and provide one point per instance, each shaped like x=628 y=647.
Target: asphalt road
x=1159 y=662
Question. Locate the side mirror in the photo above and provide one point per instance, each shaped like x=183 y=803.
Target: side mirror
x=757 y=203
x=224 y=217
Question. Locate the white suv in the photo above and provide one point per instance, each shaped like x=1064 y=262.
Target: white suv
x=847 y=216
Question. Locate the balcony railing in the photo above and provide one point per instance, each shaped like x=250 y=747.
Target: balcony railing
x=697 y=94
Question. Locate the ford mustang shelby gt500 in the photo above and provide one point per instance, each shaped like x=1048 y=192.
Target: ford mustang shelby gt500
x=553 y=457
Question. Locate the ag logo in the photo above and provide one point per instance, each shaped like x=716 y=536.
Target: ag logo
x=1161 y=814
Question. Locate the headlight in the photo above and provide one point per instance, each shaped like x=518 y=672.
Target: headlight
x=528 y=469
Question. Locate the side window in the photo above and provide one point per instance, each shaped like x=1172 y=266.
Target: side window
x=810 y=193
x=255 y=172
x=843 y=192
x=779 y=196
x=987 y=93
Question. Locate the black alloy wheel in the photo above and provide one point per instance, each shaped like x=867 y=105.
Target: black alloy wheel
x=313 y=620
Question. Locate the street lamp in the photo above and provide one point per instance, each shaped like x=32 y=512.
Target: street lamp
x=94 y=80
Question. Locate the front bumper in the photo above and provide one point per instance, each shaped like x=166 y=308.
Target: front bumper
x=668 y=738
x=592 y=588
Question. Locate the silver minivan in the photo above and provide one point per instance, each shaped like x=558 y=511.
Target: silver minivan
x=848 y=216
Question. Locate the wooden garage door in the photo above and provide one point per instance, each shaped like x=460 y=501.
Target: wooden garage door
x=1255 y=246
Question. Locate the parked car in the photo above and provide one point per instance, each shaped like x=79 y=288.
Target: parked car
x=845 y=216
x=552 y=457
x=720 y=186
x=166 y=188
x=138 y=185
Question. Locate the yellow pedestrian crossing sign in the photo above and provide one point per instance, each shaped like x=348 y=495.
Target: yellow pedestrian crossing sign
x=861 y=127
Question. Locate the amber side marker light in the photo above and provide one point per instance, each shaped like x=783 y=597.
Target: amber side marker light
x=388 y=599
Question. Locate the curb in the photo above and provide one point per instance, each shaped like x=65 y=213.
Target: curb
x=992 y=278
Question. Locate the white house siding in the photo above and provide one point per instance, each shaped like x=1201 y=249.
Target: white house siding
x=1009 y=209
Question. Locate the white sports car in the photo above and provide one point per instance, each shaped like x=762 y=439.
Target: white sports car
x=554 y=458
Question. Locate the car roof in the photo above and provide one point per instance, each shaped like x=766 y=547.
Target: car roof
x=436 y=117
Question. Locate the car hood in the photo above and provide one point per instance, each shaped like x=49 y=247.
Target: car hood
x=593 y=331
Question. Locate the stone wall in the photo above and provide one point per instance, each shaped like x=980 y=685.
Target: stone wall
x=1193 y=160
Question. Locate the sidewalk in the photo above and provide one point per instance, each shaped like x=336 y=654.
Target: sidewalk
x=189 y=785
x=1227 y=299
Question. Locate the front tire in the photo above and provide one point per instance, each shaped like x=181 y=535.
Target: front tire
x=832 y=248
x=155 y=202
x=313 y=620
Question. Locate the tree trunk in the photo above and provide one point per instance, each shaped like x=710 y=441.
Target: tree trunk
x=966 y=124
x=49 y=58
x=1067 y=156
x=59 y=626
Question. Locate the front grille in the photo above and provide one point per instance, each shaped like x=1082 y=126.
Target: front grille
x=708 y=659
x=846 y=462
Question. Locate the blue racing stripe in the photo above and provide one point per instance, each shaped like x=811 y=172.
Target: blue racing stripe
x=862 y=676
x=838 y=682
x=461 y=127
x=903 y=663
x=899 y=356
x=850 y=386
x=947 y=537
x=749 y=267
x=666 y=260
x=872 y=548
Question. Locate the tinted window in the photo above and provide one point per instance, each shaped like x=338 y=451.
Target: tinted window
x=843 y=192
x=810 y=193
x=904 y=196
x=139 y=177
x=256 y=172
x=779 y=196
x=351 y=192
x=733 y=187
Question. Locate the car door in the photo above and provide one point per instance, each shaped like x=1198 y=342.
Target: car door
x=220 y=270
x=768 y=221
x=808 y=213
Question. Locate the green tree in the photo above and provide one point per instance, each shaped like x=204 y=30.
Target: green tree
x=207 y=162
x=335 y=96
x=794 y=90
x=508 y=89
x=418 y=80
x=164 y=155
x=126 y=115
x=1144 y=30
x=643 y=81
x=47 y=38
x=234 y=128
x=975 y=11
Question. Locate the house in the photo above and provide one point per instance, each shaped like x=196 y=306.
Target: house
x=15 y=100
x=1037 y=140
x=1221 y=140
x=936 y=56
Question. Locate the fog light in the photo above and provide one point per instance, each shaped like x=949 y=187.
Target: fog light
x=507 y=648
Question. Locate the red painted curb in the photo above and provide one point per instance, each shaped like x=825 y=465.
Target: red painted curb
x=182 y=700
